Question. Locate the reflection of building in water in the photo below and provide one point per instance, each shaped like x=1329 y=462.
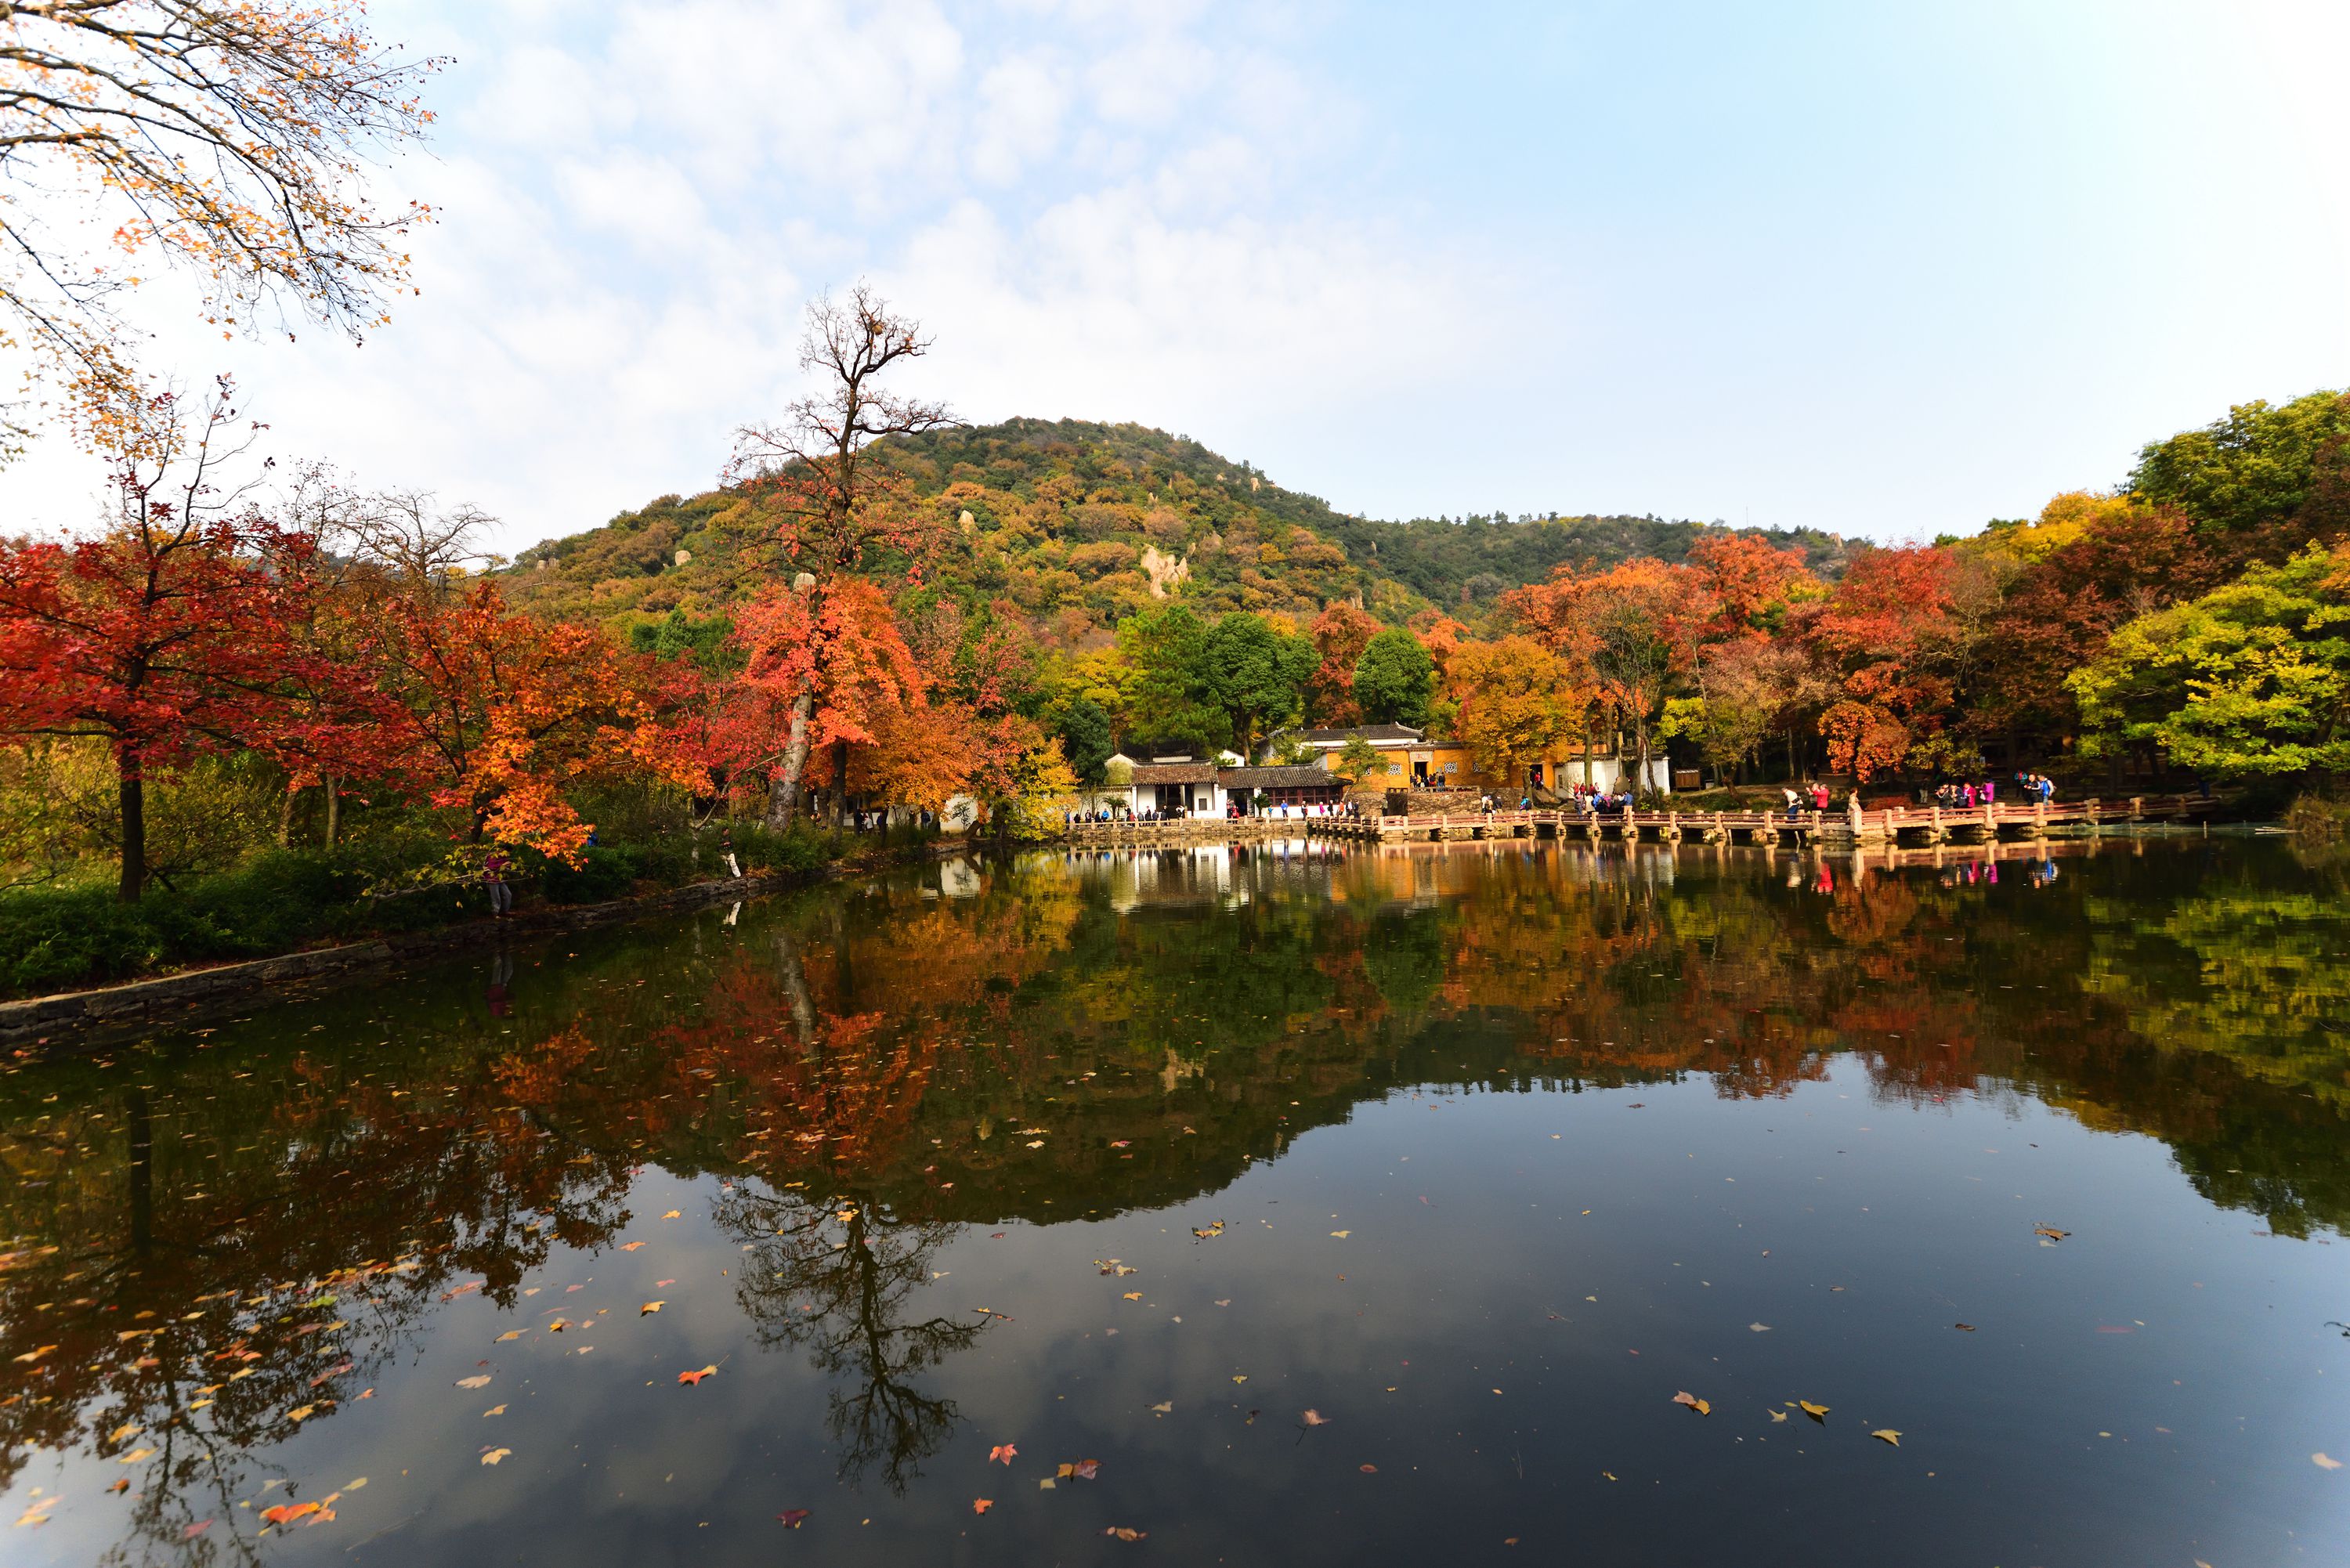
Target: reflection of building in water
x=958 y=878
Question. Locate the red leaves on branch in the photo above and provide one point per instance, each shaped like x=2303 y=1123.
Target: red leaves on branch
x=1340 y=634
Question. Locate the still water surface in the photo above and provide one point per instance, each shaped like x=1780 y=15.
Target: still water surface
x=1309 y=1207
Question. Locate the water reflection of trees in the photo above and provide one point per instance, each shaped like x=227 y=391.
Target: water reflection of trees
x=860 y=1063
x=206 y=1305
x=841 y=1283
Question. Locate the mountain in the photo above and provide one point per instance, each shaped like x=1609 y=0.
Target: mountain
x=1079 y=525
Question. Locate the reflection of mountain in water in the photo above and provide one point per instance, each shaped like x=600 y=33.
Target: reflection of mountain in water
x=1060 y=1036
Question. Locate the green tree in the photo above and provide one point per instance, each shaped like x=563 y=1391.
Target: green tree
x=1085 y=738
x=2253 y=468
x=1256 y=673
x=1357 y=758
x=1395 y=680
x=1170 y=697
x=2251 y=680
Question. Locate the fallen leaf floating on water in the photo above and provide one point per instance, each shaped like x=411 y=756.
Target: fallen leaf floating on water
x=1702 y=1406
x=1215 y=1229
x=981 y=1504
x=1776 y=1415
x=1080 y=1469
x=2050 y=1231
x=1316 y=1418
x=1964 y=1327
x=127 y=1429
x=2321 y=1462
x=1342 y=1235
x=649 y=1307
x=37 y=1510
x=287 y=1512
x=1121 y=1532
x=1817 y=1412
x=1759 y=1327
x=1369 y=1470
x=1239 y=1377
x=495 y=1455
x=122 y=1485
x=479 y=1380
x=792 y=1517
x=695 y=1377
x=1002 y=1451
x=33 y=1355
x=631 y=1246
x=1164 y=1409
x=512 y=1334
x=672 y=1214
x=494 y=1410
x=1887 y=1435
x=198 y=1528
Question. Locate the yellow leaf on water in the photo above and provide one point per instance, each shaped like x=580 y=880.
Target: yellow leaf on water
x=495 y=1455
x=127 y=1429
x=1808 y=1408
x=494 y=1410
x=1133 y=1295
x=2321 y=1462
x=135 y=1455
x=479 y=1380
x=512 y=1334
x=672 y=1214
x=1889 y=1435
x=1702 y=1406
x=649 y=1306
x=1342 y=1235
x=1776 y=1415
x=1239 y=1377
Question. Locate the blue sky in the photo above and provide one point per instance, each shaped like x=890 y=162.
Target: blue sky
x=1888 y=270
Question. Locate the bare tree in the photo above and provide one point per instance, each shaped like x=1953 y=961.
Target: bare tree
x=831 y=504
x=404 y=534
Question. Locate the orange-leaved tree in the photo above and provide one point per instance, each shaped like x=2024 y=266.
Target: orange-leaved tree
x=503 y=712
x=1635 y=628
x=1340 y=634
x=833 y=508
x=1893 y=635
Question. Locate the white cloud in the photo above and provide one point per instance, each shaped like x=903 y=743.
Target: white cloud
x=1107 y=211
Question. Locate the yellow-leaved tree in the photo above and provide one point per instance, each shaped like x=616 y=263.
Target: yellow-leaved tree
x=230 y=139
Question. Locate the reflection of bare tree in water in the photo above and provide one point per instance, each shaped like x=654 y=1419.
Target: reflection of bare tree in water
x=839 y=1280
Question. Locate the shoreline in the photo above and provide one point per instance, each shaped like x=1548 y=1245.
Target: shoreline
x=100 y=1014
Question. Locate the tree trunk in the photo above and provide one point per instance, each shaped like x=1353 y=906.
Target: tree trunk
x=334 y=808
x=840 y=784
x=286 y=817
x=134 y=826
x=784 y=794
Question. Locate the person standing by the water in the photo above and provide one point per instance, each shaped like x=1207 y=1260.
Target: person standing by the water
x=727 y=851
x=1795 y=804
x=493 y=878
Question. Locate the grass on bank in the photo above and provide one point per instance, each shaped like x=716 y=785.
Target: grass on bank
x=60 y=936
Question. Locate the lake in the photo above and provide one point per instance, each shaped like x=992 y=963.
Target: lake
x=1471 y=1203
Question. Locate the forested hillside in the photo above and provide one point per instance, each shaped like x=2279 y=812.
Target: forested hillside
x=1079 y=525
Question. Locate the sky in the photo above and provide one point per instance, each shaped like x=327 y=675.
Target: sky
x=1886 y=270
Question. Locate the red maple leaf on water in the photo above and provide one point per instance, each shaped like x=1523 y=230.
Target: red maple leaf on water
x=792 y=1517
x=696 y=1377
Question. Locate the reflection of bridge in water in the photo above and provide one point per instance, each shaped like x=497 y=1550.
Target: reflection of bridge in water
x=1803 y=828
